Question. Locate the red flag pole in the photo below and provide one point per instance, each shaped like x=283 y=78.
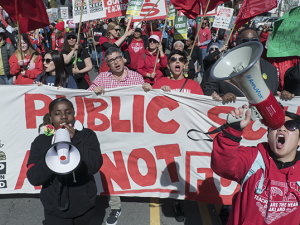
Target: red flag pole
x=78 y=36
x=19 y=35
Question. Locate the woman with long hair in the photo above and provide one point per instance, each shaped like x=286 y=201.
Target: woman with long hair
x=112 y=39
x=55 y=73
x=26 y=63
x=83 y=63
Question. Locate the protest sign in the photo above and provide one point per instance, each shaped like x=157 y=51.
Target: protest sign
x=71 y=24
x=223 y=17
x=115 y=8
x=92 y=9
x=285 y=36
x=158 y=12
x=180 y=28
x=172 y=12
x=143 y=139
x=134 y=7
x=52 y=14
x=64 y=12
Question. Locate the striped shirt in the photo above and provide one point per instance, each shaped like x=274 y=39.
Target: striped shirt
x=107 y=80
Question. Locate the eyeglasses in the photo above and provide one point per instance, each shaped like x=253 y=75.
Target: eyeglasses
x=154 y=41
x=117 y=59
x=71 y=37
x=244 y=40
x=117 y=30
x=47 y=60
x=174 y=59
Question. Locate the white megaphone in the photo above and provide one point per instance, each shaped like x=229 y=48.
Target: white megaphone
x=241 y=68
x=62 y=157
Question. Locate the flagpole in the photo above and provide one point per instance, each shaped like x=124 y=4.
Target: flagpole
x=162 y=35
x=148 y=13
x=78 y=37
x=128 y=25
x=228 y=39
x=19 y=35
x=204 y=14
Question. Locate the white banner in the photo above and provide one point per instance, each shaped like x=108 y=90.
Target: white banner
x=158 y=12
x=64 y=13
x=223 y=18
x=143 y=139
x=92 y=9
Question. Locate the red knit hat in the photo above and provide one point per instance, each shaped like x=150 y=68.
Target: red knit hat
x=60 y=26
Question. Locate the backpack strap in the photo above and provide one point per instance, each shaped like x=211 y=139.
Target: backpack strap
x=257 y=164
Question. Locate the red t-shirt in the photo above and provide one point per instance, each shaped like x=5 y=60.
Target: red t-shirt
x=190 y=86
x=204 y=34
x=136 y=49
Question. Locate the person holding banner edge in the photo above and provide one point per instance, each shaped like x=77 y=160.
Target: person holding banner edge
x=67 y=199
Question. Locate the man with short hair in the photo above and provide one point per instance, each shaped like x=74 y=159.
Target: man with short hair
x=118 y=76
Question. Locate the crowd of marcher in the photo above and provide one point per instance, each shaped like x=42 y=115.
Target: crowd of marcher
x=124 y=57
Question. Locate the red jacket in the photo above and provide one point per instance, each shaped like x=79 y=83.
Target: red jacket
x=30 y=74
x=281 y=63
x=147 y=66
x=277 y=204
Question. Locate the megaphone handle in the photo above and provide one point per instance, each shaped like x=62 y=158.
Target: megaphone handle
x=255 y=115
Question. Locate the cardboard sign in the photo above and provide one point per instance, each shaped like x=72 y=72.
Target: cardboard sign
x=180 y=28
x=92 y=9
x=158 y=12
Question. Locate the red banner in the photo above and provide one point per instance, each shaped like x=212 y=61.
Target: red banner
x=115 y=8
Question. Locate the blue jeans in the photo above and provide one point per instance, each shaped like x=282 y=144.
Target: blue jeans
x=99 y=56
x=203 y=52
x=8 y=79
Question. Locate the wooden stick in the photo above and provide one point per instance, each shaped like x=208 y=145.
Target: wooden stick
x=228 y=39
x=78 y=37
x=151 y=27
x=95 y=48
x=148 y=13
x=197 y=33
x=162 y=36
x=128 y=24
x=252 y=22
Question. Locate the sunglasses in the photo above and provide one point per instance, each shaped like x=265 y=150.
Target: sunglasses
x=154 y=41
x=117 y=30
x=244 y=40
x=213 y=49
x=292 y=125
x=47 y=60
x=71 y=37
x=174 y=59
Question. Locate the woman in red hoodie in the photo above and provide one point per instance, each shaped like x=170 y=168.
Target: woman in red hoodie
x=146 y=62
x=25 y=65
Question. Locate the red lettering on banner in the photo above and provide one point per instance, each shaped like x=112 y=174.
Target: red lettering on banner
x=146 y=7
x=22 y=174
x=155 y=105
x=116 y=172
x=206 y=188
x=248 y=134
x=138 y=113
x=79 y=109
x=93 y=113
x=31 y=112
x=168 y=153
x=60 y=96
x=133 y=169
x=118 y=125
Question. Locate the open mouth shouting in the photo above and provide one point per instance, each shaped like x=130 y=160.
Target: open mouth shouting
x=280 y=140
x=177 y=67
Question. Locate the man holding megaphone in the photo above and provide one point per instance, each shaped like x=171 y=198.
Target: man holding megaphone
x=268 y=173
x=63 y=161
x=223 y=91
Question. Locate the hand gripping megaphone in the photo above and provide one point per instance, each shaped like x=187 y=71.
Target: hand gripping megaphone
x=241 y=68
x=62 y=157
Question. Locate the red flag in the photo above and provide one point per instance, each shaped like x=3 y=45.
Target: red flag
x=32 y=13
x=252 y=8
x=191 y=8
x=212 y=4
